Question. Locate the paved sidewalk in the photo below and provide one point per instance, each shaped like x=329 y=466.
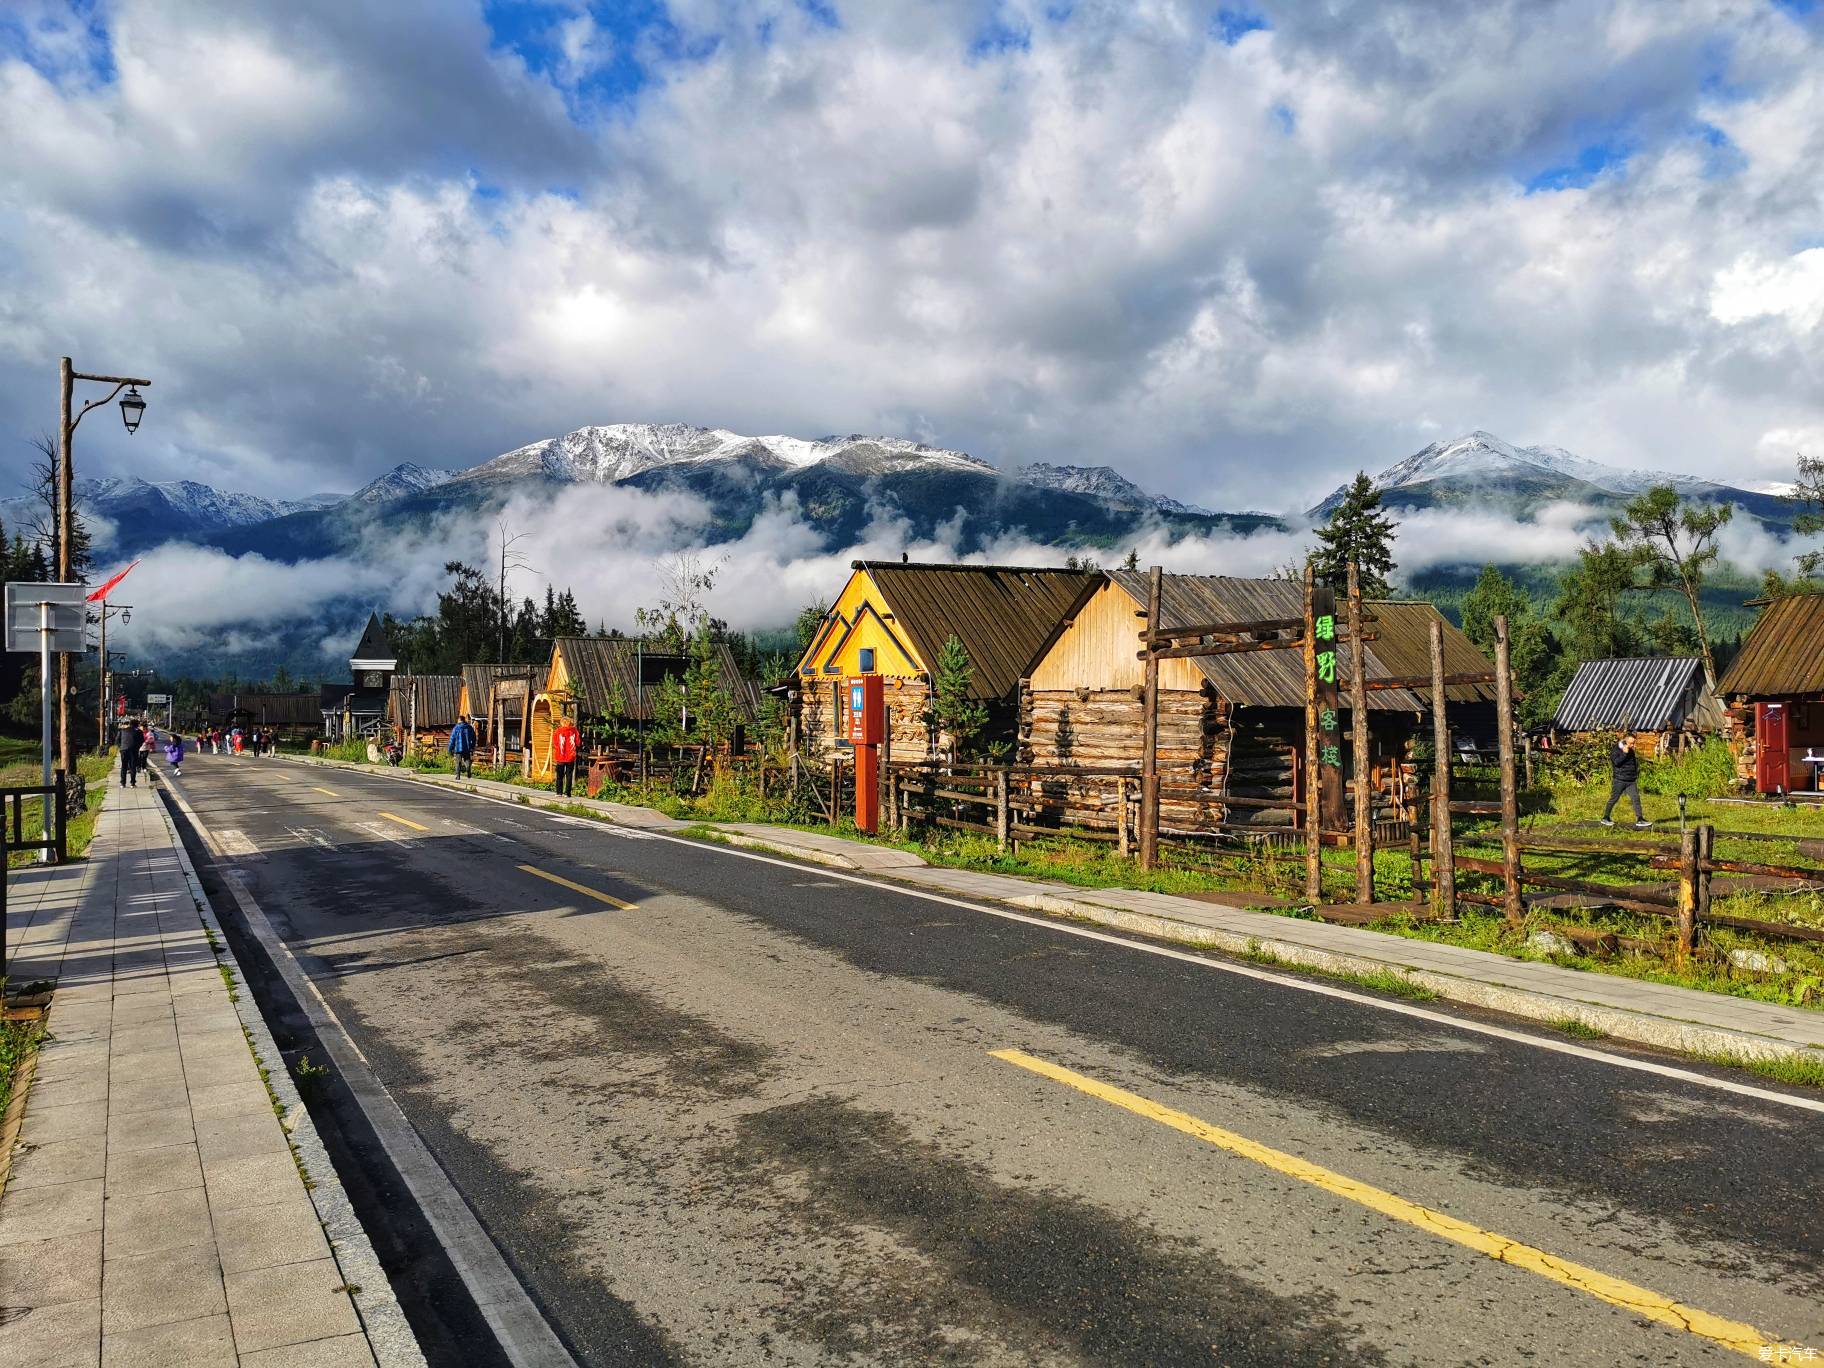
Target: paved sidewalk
x=1659 y=1014
x=155 y=1213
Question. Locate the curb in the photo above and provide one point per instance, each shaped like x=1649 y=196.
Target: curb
x=1618 y=1023
x=383 y=1320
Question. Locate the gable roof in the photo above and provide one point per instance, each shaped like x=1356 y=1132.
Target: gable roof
x=1003 y=614
x=1633 y=693
x=614 y=675
x=373 y=650
x=1276 y=679
x=1783 y=655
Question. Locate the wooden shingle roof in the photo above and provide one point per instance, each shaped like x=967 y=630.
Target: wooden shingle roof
x=1783 y=656
x=1276 y=679
x=437 y=697
x=613 y=676
x=1003 y=614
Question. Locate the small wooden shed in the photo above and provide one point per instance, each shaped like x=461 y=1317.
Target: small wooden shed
x=1664 y=701
x=425 y=707
x=892 y=618
x=477 y=703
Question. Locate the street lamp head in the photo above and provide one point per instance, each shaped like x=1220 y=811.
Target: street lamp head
x=132 y=408
x=126 y=615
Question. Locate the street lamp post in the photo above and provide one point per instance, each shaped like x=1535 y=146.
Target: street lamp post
x=132 y=408
x=103 y=717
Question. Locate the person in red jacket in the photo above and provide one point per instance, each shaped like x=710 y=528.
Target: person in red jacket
x=566 y=741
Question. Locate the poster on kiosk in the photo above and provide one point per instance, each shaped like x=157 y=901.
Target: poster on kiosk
x=867 y=716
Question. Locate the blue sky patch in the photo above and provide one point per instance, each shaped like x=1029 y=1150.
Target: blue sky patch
x=28 y=44
x=1232 y=25
x=999 y=35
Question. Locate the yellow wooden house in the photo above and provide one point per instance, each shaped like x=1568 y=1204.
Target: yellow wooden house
x=892 y=619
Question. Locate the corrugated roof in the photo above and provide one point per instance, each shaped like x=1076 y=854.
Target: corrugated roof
x=1784 y=654
x=480 y=680
x=437 y=697
x=607 y=674
x=1276 y=679
x=1632 y=693
x=1003 y=614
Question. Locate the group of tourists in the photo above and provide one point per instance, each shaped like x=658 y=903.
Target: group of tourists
x=137 y=740
x=237 y=741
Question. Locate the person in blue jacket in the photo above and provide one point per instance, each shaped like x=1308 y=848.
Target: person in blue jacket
x=462 y=746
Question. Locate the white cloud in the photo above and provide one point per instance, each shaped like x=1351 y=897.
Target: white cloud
x=343 y=236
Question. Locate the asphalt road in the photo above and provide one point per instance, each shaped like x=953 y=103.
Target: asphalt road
x=760 y=1115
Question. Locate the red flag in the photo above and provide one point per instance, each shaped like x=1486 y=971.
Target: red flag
x=102 y=592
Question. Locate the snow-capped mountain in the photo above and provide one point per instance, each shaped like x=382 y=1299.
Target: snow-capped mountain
x=1101 y=482
x=1481 y=469
x=403 y=479
x=616 y=452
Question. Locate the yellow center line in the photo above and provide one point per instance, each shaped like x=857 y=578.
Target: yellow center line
x=330 y=792
x=1743 y=1339
x=584 y=889
x=404 y=821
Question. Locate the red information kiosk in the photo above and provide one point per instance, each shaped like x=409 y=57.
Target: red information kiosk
x=867 y=723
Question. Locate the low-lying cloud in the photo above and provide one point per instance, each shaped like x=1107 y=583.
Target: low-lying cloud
x=608 y=545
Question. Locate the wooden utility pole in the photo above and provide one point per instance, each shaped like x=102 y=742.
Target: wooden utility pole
x=1443 y=851
x=1687 y=894
x=1149 y=752
x=1510 y=796
x=1358 y=726
x=1314 y=869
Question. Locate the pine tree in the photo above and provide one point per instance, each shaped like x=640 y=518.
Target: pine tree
x=1357 y=531
x=952 y=710
x=1532 y=650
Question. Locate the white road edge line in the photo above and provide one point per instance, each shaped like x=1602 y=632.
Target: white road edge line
x=525 y=1336
x=1303 y=985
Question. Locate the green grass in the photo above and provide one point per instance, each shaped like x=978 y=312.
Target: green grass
x=18 y=1039
x=1803 y=1071
x=1573 y=1027
x=96 y=771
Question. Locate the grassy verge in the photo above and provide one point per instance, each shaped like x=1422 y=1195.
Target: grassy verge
x=17 y=1041
x=95 y=770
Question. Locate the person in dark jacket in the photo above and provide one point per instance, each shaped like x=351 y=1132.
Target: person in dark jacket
x=1624 y=777
x=129 y=739
x=462 y=746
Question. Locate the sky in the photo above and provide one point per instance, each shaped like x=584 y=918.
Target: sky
x=1237 y=251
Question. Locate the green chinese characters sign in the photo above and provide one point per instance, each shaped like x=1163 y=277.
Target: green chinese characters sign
x=1329 y=711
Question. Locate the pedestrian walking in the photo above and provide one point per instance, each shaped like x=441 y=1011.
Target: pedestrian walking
x=174 y=754
x=147 y=746
x=127 y=739
x=1624 y=778
x=239 y=743
x=462 y=746
x=565 y=742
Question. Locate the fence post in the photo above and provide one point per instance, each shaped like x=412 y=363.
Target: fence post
x=1314 y=846
x=1412 y=845
x=1358 y=714
x=60 y=783
x=835 y=788
x=1510 y=797
x=1443 y=849
x=1687 y=894
x=1706 y=851
x=1122 y=842
x=1149 y=749
x=1002 y=811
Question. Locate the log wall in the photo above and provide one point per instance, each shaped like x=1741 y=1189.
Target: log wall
x=819 y=720
x=1100 y=728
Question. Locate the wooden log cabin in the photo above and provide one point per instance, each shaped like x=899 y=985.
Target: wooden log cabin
x=605 y=685
x=1231 y=727
x=893 y=618
x=1774 y=691
x=1663 y=701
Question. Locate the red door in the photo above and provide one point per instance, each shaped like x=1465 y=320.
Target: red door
x=1770 y=748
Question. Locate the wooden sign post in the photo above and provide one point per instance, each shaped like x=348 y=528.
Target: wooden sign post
x=1359 y=736
x=1329 y=709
